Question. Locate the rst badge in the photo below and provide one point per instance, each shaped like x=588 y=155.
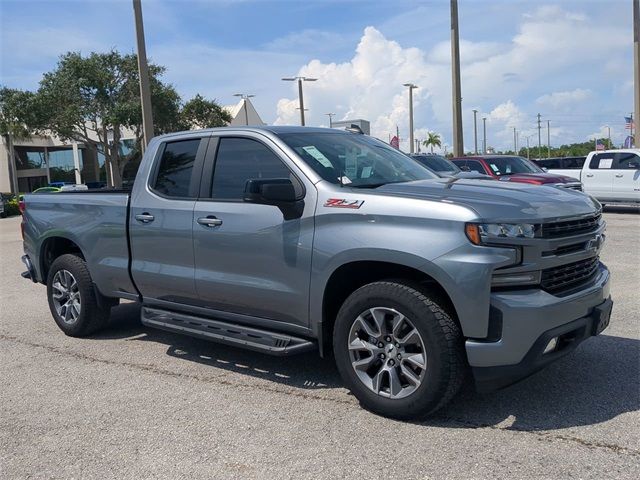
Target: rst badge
x=343 y=203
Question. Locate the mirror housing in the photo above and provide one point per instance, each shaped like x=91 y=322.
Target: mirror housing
x=279 y=192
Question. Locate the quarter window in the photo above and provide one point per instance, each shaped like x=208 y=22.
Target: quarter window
x=176 y=168
x=242 y=159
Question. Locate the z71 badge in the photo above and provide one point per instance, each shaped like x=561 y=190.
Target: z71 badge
x=343 y=203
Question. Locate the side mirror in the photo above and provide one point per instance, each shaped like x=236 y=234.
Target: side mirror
x=279 y=192
x=545 y=169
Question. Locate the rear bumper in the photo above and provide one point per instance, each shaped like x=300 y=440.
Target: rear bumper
x=525 y=321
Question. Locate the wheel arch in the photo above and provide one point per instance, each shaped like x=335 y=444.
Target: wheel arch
x=53 y=247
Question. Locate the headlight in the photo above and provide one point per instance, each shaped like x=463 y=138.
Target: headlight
x=479 y=233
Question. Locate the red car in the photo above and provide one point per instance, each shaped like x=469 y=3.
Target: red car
x=511 y=168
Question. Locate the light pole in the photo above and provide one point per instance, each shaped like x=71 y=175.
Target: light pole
x=484 y=135
x=143 y=73
x=300 y=96
x=244 y=97
x=609 y=135
x=411 y=86
x=515 y=141
x=458 y=143
x=475 y=132
x=528 y=137
x=330 y=115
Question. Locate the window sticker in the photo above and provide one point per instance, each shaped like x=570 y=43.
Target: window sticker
x=351 y=163
x=495 y=168
x=605 y=163
x=344 y=180
x=367 y=171
x=317 y=154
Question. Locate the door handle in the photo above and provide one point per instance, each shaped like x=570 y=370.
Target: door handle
x=619 y=175
x=210 y=221
x=145 y=217
x=589 y=175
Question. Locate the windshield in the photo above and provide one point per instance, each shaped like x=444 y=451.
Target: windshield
x=511 y=165
x=436 y=163
x=354 y=160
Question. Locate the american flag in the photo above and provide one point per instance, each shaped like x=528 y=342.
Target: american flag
x=599 y=145
x=628 y=123
x=395 y=142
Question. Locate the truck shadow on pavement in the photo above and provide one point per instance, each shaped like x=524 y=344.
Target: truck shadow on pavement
x=594 y=384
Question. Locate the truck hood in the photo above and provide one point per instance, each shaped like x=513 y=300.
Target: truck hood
x=541 y=178
x=499 y=201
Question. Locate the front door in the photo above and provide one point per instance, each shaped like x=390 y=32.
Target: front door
x=597 y=178
x=626 y=177
x=249 y=259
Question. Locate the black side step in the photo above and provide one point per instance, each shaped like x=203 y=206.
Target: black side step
x=227 y=333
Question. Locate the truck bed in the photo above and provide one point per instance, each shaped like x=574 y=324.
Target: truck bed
x=96 y=221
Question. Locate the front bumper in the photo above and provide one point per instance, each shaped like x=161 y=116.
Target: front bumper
x=525 y=321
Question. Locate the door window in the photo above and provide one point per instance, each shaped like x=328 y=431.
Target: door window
x=474 y=166
x=573 y=163
x=626 y=161
x=176 y=168
x=602 y=161
x=242 y=159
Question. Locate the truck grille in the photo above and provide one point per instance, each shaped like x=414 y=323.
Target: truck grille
x=571 y=227
x=560 y=279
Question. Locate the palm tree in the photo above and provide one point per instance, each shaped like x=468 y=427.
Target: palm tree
x=433 y=140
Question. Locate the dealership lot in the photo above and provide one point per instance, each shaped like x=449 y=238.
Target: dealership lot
x=131 y=402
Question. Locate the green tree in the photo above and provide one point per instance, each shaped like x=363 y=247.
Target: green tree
x=16 y=113
x=433 y=140
x=202 y=113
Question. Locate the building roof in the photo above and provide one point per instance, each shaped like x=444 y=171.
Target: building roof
x=239 y=117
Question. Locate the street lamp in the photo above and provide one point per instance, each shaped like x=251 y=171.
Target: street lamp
x=609 y=135
x=484 y=135
x=300 y=96
x=528 y=137
x=411 y=86
x=244 y=97
x=475 y=132
x=330 y=115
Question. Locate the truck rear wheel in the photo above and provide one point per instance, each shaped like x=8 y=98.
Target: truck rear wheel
x=72 y=299
x=397 y=350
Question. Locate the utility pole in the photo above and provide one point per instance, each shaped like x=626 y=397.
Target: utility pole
x=548 y=139
x=484 y=135
x=458 y=141
x=515 y=142
x=609 y=136
x=411 y=86
x=475 y=132
x=539 y=140
x=300 y=95
x=636 y=65
x=330 y=115
x=143 y=73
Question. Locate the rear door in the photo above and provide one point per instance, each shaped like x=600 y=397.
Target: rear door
x=253 y=261
x=597 y=176
x=161 y=223
x=626 y=177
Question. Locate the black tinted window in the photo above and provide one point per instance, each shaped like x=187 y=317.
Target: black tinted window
x=626 y=161
x=574 y=163
x=470 y=166
x=242 y=159
x=176 y=166
x=549 y=163
x=601 y=161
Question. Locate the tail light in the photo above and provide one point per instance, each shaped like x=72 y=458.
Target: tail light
x=22 y=206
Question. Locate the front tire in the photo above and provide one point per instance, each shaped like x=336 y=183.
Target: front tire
x=72 y=299
x=397 y=350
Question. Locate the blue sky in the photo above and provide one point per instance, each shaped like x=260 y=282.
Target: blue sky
x=571 y=61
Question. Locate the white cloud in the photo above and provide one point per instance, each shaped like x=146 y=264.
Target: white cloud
x=564 y=99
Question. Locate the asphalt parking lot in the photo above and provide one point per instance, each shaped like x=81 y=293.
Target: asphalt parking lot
x=131 y=402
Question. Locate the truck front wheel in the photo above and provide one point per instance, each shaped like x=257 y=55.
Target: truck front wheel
x=397 y=350
x=72 y=298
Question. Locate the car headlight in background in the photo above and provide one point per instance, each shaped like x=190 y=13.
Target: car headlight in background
x=479 y=233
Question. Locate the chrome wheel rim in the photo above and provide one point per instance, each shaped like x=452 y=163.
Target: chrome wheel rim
x=387 y=352
x=66 y=296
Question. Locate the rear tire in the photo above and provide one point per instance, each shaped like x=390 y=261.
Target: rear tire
x=398 y=351
x=72 y=298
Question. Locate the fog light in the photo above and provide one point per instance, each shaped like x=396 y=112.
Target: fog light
x=551 y=346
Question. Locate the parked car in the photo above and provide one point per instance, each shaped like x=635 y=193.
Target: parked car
x=511 y=168
x=570 y=165
x=274 y=239
x=47 y=190
x=443 y=167
x=612 y=176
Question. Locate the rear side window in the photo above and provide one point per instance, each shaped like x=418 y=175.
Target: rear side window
x=242 y=159
x=176 y=167
x=550 y=163
x=626 y=161
x=472 y=165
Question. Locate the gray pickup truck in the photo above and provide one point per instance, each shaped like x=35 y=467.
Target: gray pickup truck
x=291 y=239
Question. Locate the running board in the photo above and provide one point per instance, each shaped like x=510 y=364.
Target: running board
x=222 y=332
